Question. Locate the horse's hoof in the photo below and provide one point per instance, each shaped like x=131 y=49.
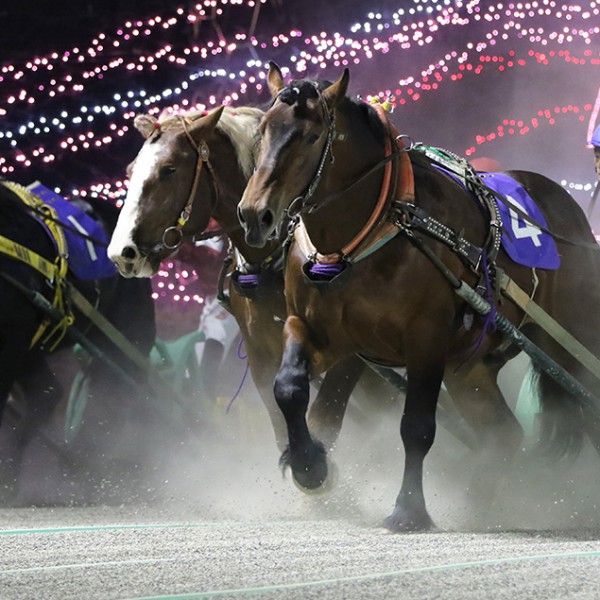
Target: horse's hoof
x=403 y=521
x=327 y=482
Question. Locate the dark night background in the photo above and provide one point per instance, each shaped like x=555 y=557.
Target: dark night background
x=450 y=116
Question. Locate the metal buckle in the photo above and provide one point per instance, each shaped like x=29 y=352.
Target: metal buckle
x=203 y=151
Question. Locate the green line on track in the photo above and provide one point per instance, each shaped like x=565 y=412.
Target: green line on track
x=108 y=563
x=117 y=527
x=358 y=578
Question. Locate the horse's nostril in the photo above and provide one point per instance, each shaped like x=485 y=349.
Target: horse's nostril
x=129 y=252
x=267 y=218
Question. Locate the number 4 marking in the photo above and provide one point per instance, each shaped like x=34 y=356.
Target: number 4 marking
x=523 y=231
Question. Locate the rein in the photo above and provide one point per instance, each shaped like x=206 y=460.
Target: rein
x=463 y=170
x=532 y=221
x=335 y=195
x=40 y=212
x=484 y=308
x=300 y=203
x=372 y=234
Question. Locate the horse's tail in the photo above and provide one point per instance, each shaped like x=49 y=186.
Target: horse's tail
x=562 y=419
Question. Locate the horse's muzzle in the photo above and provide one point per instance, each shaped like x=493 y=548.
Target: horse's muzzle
x=257 y=224
x=131 y=263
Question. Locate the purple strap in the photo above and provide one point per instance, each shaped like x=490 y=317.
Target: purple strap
x=327 y=270
x=241 y=356
x=250 y=280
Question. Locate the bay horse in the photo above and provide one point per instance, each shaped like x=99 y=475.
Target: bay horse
x=191 y=169
x=127 y=305
x=325 y=158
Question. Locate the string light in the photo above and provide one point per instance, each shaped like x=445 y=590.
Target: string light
x=321 y=50
x=78 y=104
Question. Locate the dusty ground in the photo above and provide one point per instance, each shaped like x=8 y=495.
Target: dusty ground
x=217 y=519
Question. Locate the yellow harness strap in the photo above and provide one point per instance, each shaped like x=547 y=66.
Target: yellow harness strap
x=55 y=272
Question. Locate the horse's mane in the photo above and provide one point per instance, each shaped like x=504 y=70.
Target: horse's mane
x=298 y=92
x=239 y=124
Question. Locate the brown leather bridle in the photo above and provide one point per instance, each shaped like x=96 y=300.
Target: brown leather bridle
x=203 y=153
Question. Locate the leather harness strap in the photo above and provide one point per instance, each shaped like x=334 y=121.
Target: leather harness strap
x=203 y=154
x=54 y=272
x=378 y=229
x=549 y=324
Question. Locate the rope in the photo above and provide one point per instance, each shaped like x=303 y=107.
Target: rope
x=244 y=376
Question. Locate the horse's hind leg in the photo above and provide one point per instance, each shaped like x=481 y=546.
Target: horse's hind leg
x=327 y=411
x=475 y=392
x=562 y=420
x=42 y=392
x=305 y=455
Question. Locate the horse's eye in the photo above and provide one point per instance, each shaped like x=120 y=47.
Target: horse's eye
x=166 y=171
x=312 y=138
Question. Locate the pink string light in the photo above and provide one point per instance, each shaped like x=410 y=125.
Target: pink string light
x=490 y=39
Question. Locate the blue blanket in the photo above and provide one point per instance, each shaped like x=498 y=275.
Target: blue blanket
x=87 y=256
x=524 y=242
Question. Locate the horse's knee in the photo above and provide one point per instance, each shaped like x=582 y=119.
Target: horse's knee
x=292 y=385
x=291 y=389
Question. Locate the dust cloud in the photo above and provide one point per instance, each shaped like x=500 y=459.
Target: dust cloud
x=223 y=465
x=230 y=472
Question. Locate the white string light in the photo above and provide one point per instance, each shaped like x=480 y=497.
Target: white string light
x=50 y=107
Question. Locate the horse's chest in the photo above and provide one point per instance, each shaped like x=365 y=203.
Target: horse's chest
x=351 y=317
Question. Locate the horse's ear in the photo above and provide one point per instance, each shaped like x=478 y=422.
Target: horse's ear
x=336 y=91
x=275 y=79
x=208 y=122
x=146 y=125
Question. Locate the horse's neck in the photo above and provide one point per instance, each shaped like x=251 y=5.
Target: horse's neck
x=338 y=219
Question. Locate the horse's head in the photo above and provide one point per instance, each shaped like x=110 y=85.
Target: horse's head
x=171 y=170
x=297 y=133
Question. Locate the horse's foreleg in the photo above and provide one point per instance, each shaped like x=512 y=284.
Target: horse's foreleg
x=305 y=455
x=327 y=411
x=417 y=430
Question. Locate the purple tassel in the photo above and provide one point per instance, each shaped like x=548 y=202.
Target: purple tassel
x=489 y=322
